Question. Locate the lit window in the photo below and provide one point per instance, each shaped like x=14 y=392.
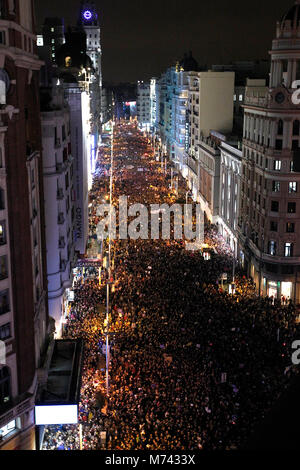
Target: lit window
x=292 y=187
x=277 y=165
x=2 y=233
x=234 y=98
x=276 y=186
x=241 y=97
x=290 y=227
x=288 y=249
x=40 y=40
x=52 y=30
x=7 y=429
x=53 y=41
x=272 y=248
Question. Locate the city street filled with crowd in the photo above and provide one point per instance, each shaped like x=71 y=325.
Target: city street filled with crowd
x=191 y=366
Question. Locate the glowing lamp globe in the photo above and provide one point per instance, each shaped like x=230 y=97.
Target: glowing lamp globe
x=87 y=15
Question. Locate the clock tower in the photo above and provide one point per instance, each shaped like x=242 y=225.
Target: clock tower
x=89 y=20
x=269 y=223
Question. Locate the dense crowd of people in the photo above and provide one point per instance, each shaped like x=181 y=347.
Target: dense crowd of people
x=192 y=367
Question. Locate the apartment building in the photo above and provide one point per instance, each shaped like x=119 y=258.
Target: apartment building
x=270 y=203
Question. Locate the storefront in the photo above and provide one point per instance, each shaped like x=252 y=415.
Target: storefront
x=278 y=289
x=273 y=289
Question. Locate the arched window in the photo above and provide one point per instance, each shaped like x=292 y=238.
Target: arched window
x=296 y=127
x=5 y=386
x=280 y=127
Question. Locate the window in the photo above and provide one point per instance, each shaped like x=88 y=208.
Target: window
x=53 y=41
x=290 y=227
x=7 y=429
x=2 y=37
x=4 y=302
x=52 y=30
x=2 y=199
x=287 y=269
x=291 y=166
x=67 y=180
x=276 y=186
x=5 y=331
x=241 y=97
x=4 y=388
x=277 y=165
x=32 y=178
x=291 y=208
x=273 y=226
x=295 y=145
x=280 y=127
x=296 y=127
x=234 y=98
x=288 y=249
x=278 y=144
x=272 y=248
x=274 y=206
x=3 y=267
x=2 y=233
x=292 y=187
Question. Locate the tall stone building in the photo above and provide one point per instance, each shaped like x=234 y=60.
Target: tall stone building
x=24 y=319
x=89 y=21
x=269 y=223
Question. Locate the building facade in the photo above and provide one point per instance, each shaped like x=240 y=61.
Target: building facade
x=269 y=222
x=230 y=188
x=210 y=107
x=59 y=200
x=24 y=322
x=89 y=21
x=143 y=106
x=53 y=35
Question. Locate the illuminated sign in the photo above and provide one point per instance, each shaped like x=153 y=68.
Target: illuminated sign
x=56 y=414
x=87 y=15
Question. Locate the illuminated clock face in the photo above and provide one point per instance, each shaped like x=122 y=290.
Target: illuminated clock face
x=87 y=15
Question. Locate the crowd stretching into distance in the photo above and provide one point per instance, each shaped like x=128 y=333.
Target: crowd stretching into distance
x=192 y=366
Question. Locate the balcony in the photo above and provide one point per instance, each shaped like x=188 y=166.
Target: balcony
x=256 y=101
x=193 y=165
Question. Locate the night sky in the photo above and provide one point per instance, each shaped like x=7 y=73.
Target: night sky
x=140 y=39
